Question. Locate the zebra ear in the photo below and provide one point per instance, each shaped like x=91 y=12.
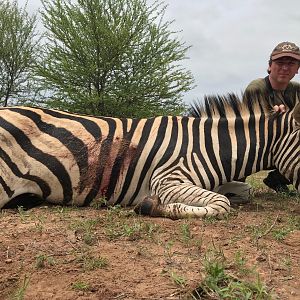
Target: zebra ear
x=296 y=113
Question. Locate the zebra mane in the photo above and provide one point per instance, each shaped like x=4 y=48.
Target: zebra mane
x=234 y=105
x=215 y=105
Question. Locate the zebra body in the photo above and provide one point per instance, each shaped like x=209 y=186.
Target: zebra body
x=166 y=166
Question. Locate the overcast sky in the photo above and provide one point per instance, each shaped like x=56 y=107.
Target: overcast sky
x=231 y=39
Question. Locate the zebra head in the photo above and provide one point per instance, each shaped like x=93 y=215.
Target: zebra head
x=287 y=148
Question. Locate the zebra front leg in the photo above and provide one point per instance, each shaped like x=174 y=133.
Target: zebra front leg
x=182 y=200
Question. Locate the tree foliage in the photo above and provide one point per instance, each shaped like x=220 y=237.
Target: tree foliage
x=18 y=44
x=113 y=58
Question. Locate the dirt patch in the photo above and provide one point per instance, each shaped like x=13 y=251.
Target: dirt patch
x=85 y=253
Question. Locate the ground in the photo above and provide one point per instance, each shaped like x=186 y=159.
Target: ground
x=54 y=252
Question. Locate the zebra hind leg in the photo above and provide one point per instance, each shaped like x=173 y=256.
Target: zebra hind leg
x=150 y=206
x=175 y=200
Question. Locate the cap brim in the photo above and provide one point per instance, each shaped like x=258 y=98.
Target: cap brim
x=287 y=54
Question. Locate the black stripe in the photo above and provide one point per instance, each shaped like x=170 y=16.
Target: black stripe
x=132 y=167
x=167 y=191
x=90 y=126
x=172 y=143
x=298 y=179
x=225 y=147
x=210 y=149
x=294 y=157
x=185 y=174
x=240 y=136
x=183 y=122
x=291 y=148
x=269 y=138
x=239 y=130
x=51 y=162
x=278 y=121
x=76 y=146
x=121 y=156
x=282 y=131
x=185 y=140
x=6 y=188
x=196 y=143
x=102 y=161
x=262 y=140
x=224 y=207
x=160 y=135
x=253 y=142
x=197 y=150
x=46 y=191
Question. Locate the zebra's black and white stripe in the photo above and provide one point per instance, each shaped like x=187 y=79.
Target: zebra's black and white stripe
x=165 y=166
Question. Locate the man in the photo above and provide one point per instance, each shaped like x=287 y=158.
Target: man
x=283 y=66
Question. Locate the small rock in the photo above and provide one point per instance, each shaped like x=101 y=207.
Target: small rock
x=8 y=261
x=13 y=278
x=261 y=257
x=293 y=239
x=71 y=236
x=21 y=247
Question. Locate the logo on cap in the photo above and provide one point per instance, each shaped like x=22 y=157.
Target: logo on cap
x=286 y=49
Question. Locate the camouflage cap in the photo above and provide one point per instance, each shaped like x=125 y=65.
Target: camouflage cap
x=286 y=49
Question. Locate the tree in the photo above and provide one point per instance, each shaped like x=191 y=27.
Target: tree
x=113 y=58
x=18 y=44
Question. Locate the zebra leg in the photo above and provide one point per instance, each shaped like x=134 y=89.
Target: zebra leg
x=182 y=200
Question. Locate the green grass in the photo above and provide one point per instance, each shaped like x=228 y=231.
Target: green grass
x=121 y=223
x=20 y=292
x=99 y=203
x=42 y=260
x=24 y=215
x=218 y=283
x=86 y=229
x=178 y=279
x=186 y=235
x=80 y=286
x=90 y=263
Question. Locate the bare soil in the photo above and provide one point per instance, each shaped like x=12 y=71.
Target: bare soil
x=54 y=252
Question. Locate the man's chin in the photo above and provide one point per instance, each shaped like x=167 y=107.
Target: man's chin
x=284 y=79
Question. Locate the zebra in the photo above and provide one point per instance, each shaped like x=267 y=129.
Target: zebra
x=165 y=166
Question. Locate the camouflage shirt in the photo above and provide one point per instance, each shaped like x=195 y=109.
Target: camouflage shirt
x=276 y=97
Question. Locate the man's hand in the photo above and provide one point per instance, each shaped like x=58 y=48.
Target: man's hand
x=279 y=108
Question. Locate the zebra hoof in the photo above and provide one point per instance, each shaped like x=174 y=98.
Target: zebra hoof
x=237 y=199
x=150 y=206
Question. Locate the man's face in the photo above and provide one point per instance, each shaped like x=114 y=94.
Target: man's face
x=283 y=69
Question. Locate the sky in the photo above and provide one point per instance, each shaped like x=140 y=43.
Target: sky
x=231 y=40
